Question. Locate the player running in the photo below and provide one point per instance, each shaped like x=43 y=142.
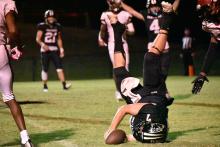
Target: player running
x=151 y=17
x=117 y=23
x=146 y=104
x=8 y=30
x=210 y=13
x=50 y=40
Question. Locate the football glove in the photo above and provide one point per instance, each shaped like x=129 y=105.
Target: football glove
x=198 y=83
x=15 y=53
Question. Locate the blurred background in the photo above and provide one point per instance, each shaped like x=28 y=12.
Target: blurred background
x=83 y=59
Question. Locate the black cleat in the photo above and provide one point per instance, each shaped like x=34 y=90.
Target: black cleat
x=169 y=101
x=67 y=86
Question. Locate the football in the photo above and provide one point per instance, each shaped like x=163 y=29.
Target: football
x=116 y=137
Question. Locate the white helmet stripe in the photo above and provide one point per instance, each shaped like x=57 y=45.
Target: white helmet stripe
x=150 y=134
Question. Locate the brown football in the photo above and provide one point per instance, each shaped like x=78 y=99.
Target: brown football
x=116 y=137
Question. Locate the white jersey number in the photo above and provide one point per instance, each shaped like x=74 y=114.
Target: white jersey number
x=50 y=37
x=154 y=26
x=148 y=119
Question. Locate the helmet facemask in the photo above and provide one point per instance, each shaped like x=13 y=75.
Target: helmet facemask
x=49 y=16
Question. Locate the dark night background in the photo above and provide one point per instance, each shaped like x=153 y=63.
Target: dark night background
x=73 y=13
x=81 y=21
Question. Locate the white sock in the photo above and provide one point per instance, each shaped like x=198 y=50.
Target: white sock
x=24 y=136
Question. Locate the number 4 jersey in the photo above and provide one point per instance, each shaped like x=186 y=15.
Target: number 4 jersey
x=152 y=27
x=50 y=35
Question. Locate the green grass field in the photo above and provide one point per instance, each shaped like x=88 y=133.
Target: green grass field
x=80 y=116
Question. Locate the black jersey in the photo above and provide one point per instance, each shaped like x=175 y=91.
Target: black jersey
x=50 y=34
x=150 y=124
x=151 y=24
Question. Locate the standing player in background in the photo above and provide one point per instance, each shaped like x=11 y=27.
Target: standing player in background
x=151 y=17
x=146 y=104
x=210 y=13
x=50 y=40
x=8 y=29
x=117 y=23
x=187 y=53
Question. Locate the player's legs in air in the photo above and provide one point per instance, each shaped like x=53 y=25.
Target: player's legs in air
x=126 y=64
x=152 y=59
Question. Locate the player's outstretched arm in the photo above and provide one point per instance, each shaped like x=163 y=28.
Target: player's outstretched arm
x=132 y=11
x=131 y=109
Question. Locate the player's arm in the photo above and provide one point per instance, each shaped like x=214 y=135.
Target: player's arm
x=13 y=34
x=39 y=40
x=132 y=11
x=60 y=44
x=131 y=109
x=101 y=36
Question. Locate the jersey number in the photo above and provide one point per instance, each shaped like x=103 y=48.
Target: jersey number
x=154 y=26
x=148 y=119
x=50 y=37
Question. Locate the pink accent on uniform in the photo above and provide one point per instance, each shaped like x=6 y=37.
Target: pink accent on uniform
x=5 y=71
x=124 y=18
x=212 y=28
x=5 y=76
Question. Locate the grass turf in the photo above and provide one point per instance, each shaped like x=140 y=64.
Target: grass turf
x=80 y=116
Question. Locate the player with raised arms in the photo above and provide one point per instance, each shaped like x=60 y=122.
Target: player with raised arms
x=49 y=37
x=146 y=104
x=11 y=49
x=117 y=23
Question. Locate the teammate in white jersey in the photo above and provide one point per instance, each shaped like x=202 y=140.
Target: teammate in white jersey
x=210 y=13
x=8 y=30
x=117 y=23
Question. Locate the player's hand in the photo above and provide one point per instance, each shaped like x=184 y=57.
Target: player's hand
x=45 y=47
x=15 y=53
x=107 y=133
x=167 y=7
x=102 y=43
x=198 y=83
x=62 y=53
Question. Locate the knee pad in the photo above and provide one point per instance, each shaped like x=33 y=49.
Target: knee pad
x=59 y=70
x=44 y=75
x=8 y=97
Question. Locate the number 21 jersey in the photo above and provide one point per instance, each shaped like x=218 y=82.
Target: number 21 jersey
x=50 y=34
